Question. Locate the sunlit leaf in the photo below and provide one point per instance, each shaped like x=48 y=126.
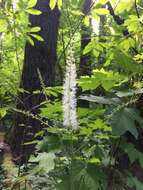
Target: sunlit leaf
x=59 y=3
x=34 y=29
x=53 y=3
x=33 y=11
x=2 y=25
x=39 y=38
x=31 y=3
x=100 y=11
x=29 y=39
x=3 y=112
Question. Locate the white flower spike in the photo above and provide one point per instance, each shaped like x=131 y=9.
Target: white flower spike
x=69 y=93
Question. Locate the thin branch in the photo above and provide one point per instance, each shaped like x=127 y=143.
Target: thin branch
x=136 y=8
x=119 y=20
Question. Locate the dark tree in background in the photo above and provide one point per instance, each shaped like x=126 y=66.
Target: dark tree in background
x=85 y=60
x=39 y=60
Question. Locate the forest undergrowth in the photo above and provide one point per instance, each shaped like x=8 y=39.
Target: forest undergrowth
x=71 y=95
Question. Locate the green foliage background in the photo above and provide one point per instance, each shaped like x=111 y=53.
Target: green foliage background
x=91 y=157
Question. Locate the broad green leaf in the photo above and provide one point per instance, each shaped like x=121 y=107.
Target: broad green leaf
x=53 y=3
x=59 y=3
x=126 y=44
x=46 y=161
x=86 y=131
x=31 y=3
x=93 y=176
x=100 y=125
x=97 y=125
x=106 y=79
x=125 y=120
x=91 y=180
x=129 y=93
x=53 y=91
x=92 y=47
x=100 y=11
x=103 y=2
x=51 y=143
x=88 y=48
x=51 y=110
x=124 y=94
x=76 y=12
x=133 y=153
x=34 y=29
x=83 y=112
x=86 y=83
x=100 y=99
x=132 y=23
x=3 y=112
x=86 y=20
x=2 y=25
x=127 y=62
x=134 y=182
x=33 y=11
x=124 y=5
x=29 y=39
x=39 y=38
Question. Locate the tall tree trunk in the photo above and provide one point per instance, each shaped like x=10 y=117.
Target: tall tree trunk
x=40 y=58
x=85 y=62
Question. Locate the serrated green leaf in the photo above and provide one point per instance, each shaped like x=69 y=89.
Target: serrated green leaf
x=51 y=110
x=100 y=125
x=107 y=79
x=132 y=23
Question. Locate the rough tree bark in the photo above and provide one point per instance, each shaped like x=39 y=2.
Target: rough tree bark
x=40 y=57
